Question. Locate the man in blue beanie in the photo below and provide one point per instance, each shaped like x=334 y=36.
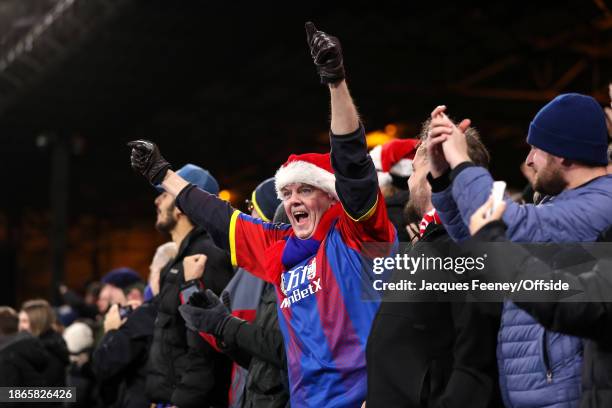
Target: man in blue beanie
x=568 y=139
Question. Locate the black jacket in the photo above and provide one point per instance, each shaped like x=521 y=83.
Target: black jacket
x=83 y=379
x=120 y=360
x=432 y=354
x=56 y=371
x=259 y=347
x=183 y=368
x=591 y=319
x=23 y=361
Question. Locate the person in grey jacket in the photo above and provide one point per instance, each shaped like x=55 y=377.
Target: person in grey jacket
x=568 y=139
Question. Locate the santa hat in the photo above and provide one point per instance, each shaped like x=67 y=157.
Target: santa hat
x=310 y=168
x=394 y=158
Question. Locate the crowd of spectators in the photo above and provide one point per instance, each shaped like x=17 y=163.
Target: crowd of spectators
x=274 y=306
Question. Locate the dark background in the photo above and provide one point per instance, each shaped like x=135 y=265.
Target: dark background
x=230 y=86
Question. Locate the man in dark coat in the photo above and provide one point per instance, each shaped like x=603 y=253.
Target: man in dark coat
x=426 y=353
x=184 y=370
x=119 y=361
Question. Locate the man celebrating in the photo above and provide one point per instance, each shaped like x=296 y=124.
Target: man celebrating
x=334 y=205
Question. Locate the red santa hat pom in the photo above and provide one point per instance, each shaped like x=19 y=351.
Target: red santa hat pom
x=310 y=168
x=394 y=157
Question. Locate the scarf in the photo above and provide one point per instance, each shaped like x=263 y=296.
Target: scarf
x=428 y=218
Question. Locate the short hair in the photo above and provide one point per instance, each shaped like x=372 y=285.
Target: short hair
x=9 y=321
x=477 y=151
x=41 y=315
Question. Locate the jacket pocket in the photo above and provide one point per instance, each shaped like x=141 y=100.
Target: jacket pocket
x=545 y=357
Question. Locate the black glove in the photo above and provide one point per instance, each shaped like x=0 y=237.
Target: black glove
x=326 y=53
x=148 y=161
x=204 y=312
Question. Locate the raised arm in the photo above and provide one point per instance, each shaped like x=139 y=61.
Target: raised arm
x=356 y=179
x=326 y=53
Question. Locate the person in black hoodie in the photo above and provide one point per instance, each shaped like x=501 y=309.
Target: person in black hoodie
x=587 y=315
x=426 y=353
x=37 y=317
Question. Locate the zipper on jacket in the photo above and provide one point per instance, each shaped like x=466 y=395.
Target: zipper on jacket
x=549 y=373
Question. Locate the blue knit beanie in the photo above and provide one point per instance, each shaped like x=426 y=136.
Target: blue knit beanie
x=572 y=126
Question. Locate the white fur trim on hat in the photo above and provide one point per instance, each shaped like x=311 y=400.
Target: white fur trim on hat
x=307 y=173
x=402 y=168
x=384 y=178
x=375 y=154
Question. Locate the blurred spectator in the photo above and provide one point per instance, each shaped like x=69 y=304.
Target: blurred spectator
x=184 y=369
x=120 y=285
x=126 y=279
x=23 y=358
x=163 y=254
x=264 y=201
x=120 y=360
x=79 y=339
x=393 y=162
x=432 y=353
x=38 y=318
x=83 y=307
